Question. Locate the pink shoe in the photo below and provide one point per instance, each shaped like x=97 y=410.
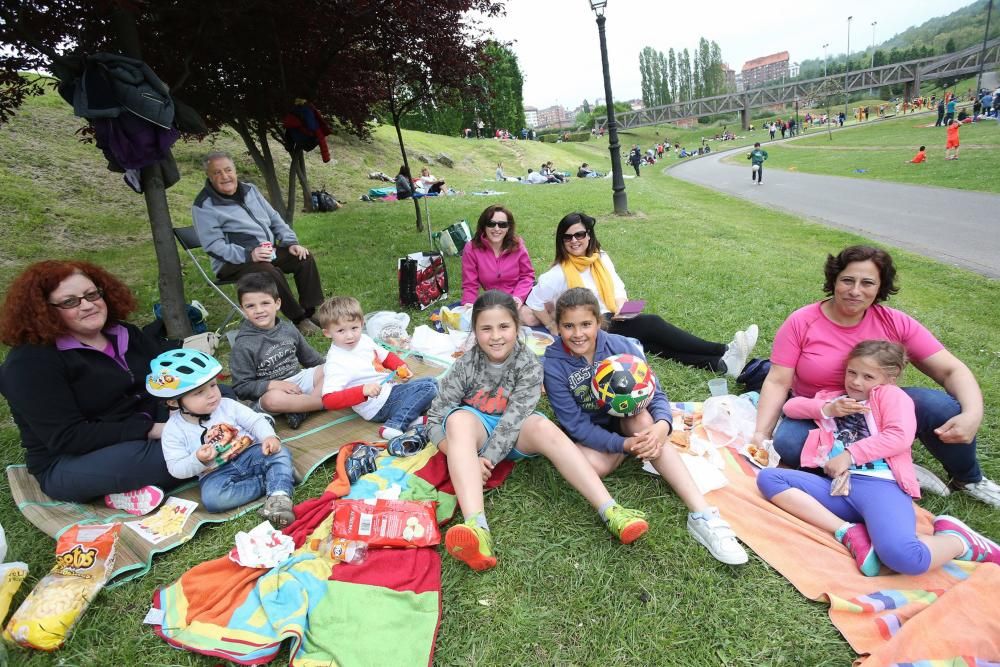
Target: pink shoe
x=138 y=501
x=858 y=542
x=979 y=549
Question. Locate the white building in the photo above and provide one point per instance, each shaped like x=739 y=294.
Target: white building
x=531 y=116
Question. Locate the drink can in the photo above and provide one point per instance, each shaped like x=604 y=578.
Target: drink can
x=267 y=245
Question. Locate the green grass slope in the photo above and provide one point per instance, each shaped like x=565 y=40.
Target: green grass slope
x=564 y=592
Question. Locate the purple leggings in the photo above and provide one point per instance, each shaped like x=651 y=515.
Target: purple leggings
x=884 y=508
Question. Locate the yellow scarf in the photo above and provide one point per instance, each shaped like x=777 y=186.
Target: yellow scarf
x=574 y=266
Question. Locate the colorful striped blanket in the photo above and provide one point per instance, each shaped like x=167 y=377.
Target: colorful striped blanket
x=384 y=611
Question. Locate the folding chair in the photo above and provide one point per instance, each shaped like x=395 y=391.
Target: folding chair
x=188 y=238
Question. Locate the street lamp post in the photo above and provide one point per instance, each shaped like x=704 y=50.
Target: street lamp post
x=871 y=91
x=617 y=180
x=826 y=58
x=847 y=68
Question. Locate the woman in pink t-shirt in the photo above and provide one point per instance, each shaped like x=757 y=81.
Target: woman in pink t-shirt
x=497 y=259
x=808 y=357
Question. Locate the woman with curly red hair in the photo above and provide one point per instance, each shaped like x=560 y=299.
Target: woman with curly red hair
x=74 y=380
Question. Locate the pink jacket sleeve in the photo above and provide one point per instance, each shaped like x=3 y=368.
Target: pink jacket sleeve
x=525 y=274
x=470 y=274
x=896 y=417
x=799 y=407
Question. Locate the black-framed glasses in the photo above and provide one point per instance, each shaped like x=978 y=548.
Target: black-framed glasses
x=579 y=236
x=502 y=224
x=74 y=301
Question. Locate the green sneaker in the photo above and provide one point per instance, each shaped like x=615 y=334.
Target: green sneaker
x=471 y=544
x=625 y=524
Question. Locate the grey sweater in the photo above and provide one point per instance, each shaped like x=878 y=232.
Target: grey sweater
x=510 y=390
x=229 y=228
x=261 y=355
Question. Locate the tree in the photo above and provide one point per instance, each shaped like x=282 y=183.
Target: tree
x=674 y=82
x=410 y=60
x=685 y=77
x=950 y=47
x=664 y=84
x=503 y=88
x=586 y=106
x=646 y=75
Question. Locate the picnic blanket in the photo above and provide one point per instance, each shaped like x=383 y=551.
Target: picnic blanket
x=384 y=611
x=889 y=620
x=318 y=440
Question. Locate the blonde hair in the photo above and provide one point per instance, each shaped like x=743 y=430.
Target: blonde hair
x=890 y=357
x=339 y=309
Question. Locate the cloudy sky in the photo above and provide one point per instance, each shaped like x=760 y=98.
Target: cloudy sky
x=557 y=45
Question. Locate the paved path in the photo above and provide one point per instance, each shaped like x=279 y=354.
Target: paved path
x=958 y=227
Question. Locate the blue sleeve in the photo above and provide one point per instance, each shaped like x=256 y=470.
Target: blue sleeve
x=572 y=417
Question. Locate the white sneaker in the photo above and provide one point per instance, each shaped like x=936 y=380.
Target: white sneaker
x=738 y=351
x=985 y=491
x=711 y=531
x=930 y=482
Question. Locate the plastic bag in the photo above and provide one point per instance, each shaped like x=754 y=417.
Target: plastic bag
x=387 y=523
x=387 y=327
x=731 y=416
x=85 y=556
x=11 y=576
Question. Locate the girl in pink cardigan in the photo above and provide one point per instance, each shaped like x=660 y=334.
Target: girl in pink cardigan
x=863 y=443
x=497 y=259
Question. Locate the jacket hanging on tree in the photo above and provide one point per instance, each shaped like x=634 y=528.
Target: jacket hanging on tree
x=305 y=128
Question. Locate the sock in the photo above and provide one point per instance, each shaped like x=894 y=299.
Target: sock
x=480 y=519
x=840 y=532
x=603 y=509
x=419 y=421
x=389 y=433
x=278 y=493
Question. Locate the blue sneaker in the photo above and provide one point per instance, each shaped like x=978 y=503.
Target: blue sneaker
x=361 y=462
x=408 y=443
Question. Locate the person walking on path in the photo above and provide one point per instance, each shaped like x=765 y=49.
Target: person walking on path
x=757 y=157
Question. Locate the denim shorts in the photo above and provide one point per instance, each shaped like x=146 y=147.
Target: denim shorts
x=489 y=423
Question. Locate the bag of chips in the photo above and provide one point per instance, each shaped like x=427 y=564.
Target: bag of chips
x=387 y=523
x=85 y=556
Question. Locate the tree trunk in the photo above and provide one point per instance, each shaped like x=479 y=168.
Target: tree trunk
x=300 y=171
x=291 y=183
x=406 y=163
x=265 y=163
x=172 y=301
x=170 y=281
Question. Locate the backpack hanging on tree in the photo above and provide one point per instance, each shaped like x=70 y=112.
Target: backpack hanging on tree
x=323 y=201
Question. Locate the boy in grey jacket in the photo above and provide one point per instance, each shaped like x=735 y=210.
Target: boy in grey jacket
x=271 y=362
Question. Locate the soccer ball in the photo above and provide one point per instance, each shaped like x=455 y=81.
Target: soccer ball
x=622 y=385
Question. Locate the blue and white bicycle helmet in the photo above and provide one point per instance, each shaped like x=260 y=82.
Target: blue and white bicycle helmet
x=177 y=372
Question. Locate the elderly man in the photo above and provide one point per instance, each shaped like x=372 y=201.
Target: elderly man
x=242 y=234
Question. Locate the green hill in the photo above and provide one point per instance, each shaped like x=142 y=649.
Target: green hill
x=965 y=26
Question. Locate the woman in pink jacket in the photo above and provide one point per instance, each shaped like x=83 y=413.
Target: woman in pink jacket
x=497 y=259
x=863 y=446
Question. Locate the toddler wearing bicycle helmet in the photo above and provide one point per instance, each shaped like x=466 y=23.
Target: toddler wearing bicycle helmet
x=232 y=449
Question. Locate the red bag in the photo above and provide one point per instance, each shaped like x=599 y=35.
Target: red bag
x=423 y=279
x=387 y=523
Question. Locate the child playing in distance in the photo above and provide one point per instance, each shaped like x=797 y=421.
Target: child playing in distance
x=921 y=156
x=484 y=414
x=757 y=157
x=951 y=146
x=271 y=361
x=866 y=434
x=607 y=441
x=358 y=372
x=232 y=449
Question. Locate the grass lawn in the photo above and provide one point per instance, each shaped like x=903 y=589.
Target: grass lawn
x=564 y=592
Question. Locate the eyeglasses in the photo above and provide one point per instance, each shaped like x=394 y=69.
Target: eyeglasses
x=74 y=301
x=579 y=236
x=502 y=224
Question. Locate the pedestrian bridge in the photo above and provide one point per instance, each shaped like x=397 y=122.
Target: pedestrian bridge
x=911 y=73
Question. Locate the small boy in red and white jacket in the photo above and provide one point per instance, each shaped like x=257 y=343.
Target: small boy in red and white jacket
x=359 y=374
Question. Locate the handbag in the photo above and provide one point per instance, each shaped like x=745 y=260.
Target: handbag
x=451 y=241
x=422 y=278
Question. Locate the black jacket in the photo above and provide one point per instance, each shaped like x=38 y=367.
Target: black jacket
x=71 y=402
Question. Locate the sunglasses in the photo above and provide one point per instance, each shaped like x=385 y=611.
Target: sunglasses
x=502 y=224
x=74 y=301
x=579 y=236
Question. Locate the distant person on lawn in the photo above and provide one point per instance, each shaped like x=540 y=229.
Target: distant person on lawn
x=243 y=234
x=952 y=143
x=921 y=156
x=74 y=380
x=757 y=157
x=808 y=357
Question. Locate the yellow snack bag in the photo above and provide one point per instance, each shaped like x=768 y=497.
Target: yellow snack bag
x=85 y=556
x=11 y=576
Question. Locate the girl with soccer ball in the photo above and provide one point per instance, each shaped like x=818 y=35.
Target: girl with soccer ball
x=605 y=439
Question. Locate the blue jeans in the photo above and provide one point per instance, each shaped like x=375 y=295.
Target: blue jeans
x=246 y=478
x=406 y=402
x=933 y=408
